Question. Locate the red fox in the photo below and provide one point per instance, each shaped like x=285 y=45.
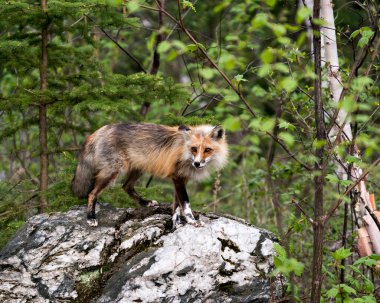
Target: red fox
x=181 y=153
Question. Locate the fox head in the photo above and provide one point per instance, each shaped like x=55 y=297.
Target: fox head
x=205 y=146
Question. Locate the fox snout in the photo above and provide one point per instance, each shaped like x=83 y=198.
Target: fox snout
x=199 y=164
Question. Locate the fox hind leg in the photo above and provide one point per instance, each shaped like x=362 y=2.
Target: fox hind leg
x=128 y=186
x=101 y=182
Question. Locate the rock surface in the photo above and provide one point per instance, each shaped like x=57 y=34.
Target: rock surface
x=135 y=256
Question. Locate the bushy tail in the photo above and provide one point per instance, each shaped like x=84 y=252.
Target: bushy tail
x=84 y=179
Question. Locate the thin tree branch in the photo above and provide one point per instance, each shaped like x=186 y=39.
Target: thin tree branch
x=373 y=216
x=296 y=204
x=133 y=58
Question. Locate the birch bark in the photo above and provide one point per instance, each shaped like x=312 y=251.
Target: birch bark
x=336 y=87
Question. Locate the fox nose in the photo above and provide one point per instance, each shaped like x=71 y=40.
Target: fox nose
x=197 y=164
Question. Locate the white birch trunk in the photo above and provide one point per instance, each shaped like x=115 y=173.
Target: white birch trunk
x=336 y=87
x=332 y=64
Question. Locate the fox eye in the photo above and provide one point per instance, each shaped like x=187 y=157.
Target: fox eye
x=193 y=149
x=207 y=150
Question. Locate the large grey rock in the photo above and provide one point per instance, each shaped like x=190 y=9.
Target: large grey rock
x=135 y=256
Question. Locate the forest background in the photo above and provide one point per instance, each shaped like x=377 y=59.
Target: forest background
x=70 y=67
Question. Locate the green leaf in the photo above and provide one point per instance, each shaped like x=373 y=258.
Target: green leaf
x=347 y=289
x=289 y=84
x=281 y=67
x=367 y=32
x=232 y=124
x=264 y=70
x=333 y=179
x=240 y=78
x=163 y=47
x=280 y=251
x=191 y=48
x=268 y=124
x=319 y=21
x=366 y=299
x=179 y=44
x=227 y=61
x=267 y=56
x=345 y=182
x=341 y=253
x=349 y=104
x=375 y=257
x=271 y=3
x=354 y=34
x=172 y=55
x=284 y=40
x=207 y=73
x=133 y=6
x=360 y=84
x=200 y=45
x=194 y=47
x=370 y=262
x=333 y=292
x=297 y=267
x=287 y=138
x=302 y=14
x=231 y=96
x=151 y=41
x=114 y=2
x=368 y=286
x=221 y=6
x=286 y=125
x=360 y=261
x=258 y=91
x=352 y=159
x=188 y=4
x=260 y=20
x=278 y=29
x=255 y=123
x=363 y=41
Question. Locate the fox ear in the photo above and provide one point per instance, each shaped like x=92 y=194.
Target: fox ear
x=185 y=130
x=217 y=133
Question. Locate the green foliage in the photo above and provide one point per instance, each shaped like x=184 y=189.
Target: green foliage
x=366 y=34
x=286 y=265
x=357 y=287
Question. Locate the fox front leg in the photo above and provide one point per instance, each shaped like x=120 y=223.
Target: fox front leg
x=177 y=218
x=184 y=205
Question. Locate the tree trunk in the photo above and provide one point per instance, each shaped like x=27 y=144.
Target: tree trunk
x=156 y=56
x=336 y=88
x=44 y=160
x=333 y=70
x=319 y=222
